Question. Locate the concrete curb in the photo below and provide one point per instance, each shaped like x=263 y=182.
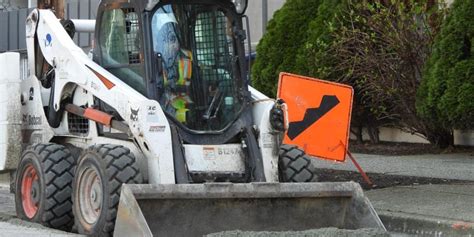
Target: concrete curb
x=420 y=225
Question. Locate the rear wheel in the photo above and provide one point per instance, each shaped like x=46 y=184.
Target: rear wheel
x=101 y=172
x=295 y=166
x=44 y=185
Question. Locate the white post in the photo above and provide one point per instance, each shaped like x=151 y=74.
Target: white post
x=264 y=15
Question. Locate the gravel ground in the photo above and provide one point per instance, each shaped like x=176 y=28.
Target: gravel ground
x=12 y=226
x=323 y=232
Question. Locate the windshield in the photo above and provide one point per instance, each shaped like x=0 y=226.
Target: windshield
x=197 y=74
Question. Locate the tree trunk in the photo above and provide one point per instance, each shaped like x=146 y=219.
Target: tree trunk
x=373 y=134
x=359 y=135
x=441 y=138
x=357 y=131
x=56 y=5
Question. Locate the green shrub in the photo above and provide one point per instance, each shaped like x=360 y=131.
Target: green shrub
x=446 y=95
x=314 y=57
x=319 y=58
x=276 y=52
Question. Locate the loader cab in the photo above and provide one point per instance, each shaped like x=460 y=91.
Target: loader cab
x=188 y=55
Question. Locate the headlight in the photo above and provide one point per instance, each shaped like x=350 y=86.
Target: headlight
x=278 y=116
x=240 y=6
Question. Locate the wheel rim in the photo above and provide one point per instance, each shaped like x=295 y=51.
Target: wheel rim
x=30 y=191
x=90 y=195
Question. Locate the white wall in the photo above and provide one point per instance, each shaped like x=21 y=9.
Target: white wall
x=254 y=12
x=464 y=137
x=461 y=137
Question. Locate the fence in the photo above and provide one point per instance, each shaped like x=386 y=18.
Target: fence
x=12 y=24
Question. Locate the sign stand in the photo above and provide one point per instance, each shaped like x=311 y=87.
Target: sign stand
x=364 y=175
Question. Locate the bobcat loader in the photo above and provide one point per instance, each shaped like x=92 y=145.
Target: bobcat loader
x=134 y=140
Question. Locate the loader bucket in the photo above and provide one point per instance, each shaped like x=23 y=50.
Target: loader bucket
x=200 y=209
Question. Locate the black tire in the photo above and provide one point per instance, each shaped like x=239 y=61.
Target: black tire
x=295 y=166
x=52 y=167
x=111 y=165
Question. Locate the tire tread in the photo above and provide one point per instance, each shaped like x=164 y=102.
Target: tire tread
x=120 y=167
x=295 y=165
x=57 y=165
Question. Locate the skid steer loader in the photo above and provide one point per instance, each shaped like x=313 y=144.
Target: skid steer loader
x=158 y=131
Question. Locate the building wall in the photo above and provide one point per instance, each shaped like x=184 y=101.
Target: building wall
x=255 y=12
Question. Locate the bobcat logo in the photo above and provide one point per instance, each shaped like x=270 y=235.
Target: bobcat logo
x=48 y=41
x=134 y=114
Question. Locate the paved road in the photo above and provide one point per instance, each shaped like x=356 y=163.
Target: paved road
x=446 y=166
x=426 y=210
x=7 y=202
x=447 y=201
x=443 y=208
x=435 y=210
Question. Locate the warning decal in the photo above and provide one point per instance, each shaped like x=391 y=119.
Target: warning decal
x=319 y=114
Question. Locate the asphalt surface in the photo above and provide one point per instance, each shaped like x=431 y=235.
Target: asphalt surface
x=422 y=210
x=7 y=202
x=458 y=166
x=453 y=201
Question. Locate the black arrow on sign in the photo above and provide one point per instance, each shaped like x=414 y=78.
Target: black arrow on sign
x=311 y=116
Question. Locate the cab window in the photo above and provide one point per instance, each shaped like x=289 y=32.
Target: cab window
x=120 y=46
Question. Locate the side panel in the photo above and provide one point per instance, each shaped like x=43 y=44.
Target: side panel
x=147 y=122
x=35 y=127
x=10 y=118
x=268 y=139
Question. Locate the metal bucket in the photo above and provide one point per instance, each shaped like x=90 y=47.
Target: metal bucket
x=200 y=209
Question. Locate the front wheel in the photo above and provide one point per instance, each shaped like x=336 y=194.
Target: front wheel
x=295 y=166
x=44 y=184
x=100 y=174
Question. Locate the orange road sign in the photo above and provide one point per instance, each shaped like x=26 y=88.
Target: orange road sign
x=319 y=114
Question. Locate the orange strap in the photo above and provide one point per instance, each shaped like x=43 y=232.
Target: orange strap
x=98 y=116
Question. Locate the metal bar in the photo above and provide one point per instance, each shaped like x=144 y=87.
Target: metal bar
x=249 y=42
x=121 y=126
x=248 y=190
x=85 y=26
x=364 y=175
x=99 y=117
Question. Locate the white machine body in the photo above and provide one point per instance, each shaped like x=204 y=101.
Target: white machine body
x=77 y=75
